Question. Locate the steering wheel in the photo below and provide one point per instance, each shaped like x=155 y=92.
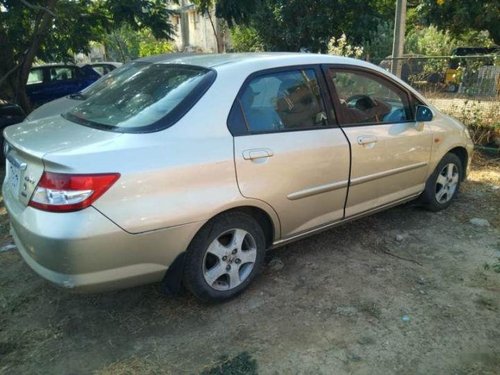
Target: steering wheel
x=361 y=102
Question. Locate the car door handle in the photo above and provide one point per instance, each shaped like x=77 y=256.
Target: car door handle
x=257 y=153
x=367 y=139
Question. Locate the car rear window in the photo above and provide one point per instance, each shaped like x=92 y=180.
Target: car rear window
x=152 y=97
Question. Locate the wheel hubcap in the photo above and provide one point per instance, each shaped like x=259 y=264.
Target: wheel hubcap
x=446 y=183
x=229 y=259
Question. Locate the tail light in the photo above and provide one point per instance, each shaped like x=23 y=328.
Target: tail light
x=58 y=192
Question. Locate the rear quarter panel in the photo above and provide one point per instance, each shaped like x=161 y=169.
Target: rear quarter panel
x=179 y=175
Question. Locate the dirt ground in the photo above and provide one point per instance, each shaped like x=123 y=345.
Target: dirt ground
x=403 y=292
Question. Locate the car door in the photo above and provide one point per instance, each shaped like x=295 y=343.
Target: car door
x=36 y=87
x=288 y=150
x=390 y=151
x=63 y=81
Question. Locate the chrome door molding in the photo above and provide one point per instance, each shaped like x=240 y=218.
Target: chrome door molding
x=390 y=172
x=317 y=190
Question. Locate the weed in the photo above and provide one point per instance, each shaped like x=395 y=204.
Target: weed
x=486 y=303
x=242 y=364
x=370 y=309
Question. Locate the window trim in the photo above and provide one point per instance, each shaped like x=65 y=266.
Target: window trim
x=366 y=72
x=236 y=113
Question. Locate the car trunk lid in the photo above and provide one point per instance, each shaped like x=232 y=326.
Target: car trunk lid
x=27 y=144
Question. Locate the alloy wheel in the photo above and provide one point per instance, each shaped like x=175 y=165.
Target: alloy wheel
x=446 y=183
x=229 y=259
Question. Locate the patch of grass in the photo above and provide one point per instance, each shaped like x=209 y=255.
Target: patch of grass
x=486 y=303
x=370 y=309
x=242 y=364
x=132 y=366
x=495 y=267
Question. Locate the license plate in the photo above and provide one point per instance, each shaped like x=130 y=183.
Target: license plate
x=13 y=177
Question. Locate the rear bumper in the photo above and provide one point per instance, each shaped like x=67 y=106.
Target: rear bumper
x=85 y=251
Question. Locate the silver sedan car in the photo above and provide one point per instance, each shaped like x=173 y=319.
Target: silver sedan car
x=191 y=167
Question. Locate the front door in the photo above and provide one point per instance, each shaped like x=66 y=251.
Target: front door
x=289 y=153
x=390 y=153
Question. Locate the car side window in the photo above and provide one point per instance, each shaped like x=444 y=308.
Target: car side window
x=368 y=99
x=35 y=76
x=283 y=100
x=61 y=74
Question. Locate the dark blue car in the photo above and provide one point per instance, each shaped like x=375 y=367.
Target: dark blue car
x=49 y=82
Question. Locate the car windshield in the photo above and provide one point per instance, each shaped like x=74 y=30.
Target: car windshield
x=141 y=96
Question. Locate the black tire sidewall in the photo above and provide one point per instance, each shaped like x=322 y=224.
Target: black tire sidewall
x=193 y=270
x=429 y=195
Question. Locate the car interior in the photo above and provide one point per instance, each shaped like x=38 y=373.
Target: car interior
x=286 y=100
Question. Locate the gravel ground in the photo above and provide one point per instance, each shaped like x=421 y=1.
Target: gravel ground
x=405 y=291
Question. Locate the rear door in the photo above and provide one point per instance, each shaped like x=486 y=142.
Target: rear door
x=390 y=151
x=288 y=150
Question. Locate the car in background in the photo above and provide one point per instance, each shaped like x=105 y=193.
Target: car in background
x=10 y=114
x=193 y=166
x=105 y=67
x=67 y=102
x=49 y=82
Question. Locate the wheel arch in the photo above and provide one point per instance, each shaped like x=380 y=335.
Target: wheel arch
x=270 y=228
x=172 y=281
x=463 y=155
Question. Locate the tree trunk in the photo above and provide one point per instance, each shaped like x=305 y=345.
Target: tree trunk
x=27 y=61
x=216 y=34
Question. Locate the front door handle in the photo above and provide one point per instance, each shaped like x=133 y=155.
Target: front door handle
x=367 y=139
x=257 y=153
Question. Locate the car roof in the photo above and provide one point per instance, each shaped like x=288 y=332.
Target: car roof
x=54 y=65
x=274 y=58
x=246 y=63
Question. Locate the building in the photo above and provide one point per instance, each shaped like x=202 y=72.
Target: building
x=197 y=33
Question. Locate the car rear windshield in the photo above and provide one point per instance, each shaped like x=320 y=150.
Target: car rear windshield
x=114 y=77
x=149 y=97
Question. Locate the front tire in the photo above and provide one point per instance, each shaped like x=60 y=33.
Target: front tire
x=443 y=185
x=224 y=257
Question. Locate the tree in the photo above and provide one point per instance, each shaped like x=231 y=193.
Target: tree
x=290 y=25
x=205 y=8
x=53 y=30
x=246 y=39
x=464 y=15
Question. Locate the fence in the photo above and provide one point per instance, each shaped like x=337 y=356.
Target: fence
x=467 y=87
x=461 y=76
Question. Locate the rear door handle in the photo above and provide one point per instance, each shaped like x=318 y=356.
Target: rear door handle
x=257 y=153
x=367 y=139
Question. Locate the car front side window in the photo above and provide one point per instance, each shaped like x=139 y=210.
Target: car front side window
x=283 y=100
x=368 y=99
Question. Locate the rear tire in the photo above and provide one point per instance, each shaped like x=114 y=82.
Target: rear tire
x=443 y=184
x=224 y=257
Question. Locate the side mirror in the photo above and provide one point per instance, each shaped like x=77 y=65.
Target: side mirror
x=423 y=114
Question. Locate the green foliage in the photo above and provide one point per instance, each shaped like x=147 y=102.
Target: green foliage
x=460 y=16
x=430 y=41
x=295 y=24
x=341 y=47
x=246 y=39
x=149 y=45
x=236 y=12
x=124 y=44
x=378 y=44
x=121 y=44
